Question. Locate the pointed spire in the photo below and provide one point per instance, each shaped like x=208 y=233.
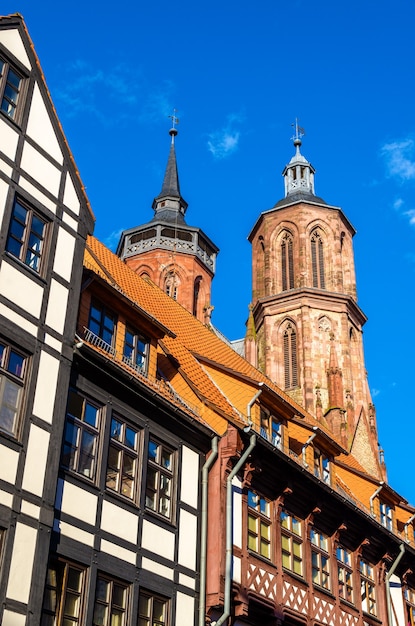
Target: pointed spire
x=169 y=204
x=299 y=173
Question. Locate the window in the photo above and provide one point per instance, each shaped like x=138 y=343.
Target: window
x=135 y=350
x=10 y=89
x=287 y=263
x=26 y=238
x=81 y=436
x=12 y=372
x=102 y=325
x=271 y=428
x=367 y=588
x=291 y=543
x=196 y=291
x=62 y=599
x=159 y=489
x=345 y=573
x=152 y=610
x=110 y=608
x=259 y=524
x=320 y=561
x=410 y=606
x=290 y=357
x=321 y=466
x=122 y=458
x=317 y=259
x=386 y=515
x=171 y=285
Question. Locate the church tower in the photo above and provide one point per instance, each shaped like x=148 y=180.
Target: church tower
x=180 y=259
x=305 y=327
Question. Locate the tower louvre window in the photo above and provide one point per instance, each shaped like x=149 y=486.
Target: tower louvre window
x=287 y=264
x=317 y=260
x=290 y=357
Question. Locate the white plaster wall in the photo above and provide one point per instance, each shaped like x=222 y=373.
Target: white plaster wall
x=118 y=552
x=30 y=509
x=186 y=581
x=18 y=320
x=47 y=379
x=79 y=503
x=398 y=610
x=8 y=464
x=65 y=247
x=4 y=188
x=70 y=197
x=36 y=458
x=70 y=221
x=236 y=570
x=40 y=129
x=53 y=343
x=9 y=139
x=6 y=168
x=57 y=306
x=6 y=498
x=237 y=509
x=185 y=609
x=158 y=540
x=21 y=565
x=157 y=568
x=13 y=619
x=20 y=289
x=40 y=169
x=119 y=522
x=187 y=540
x=190 y=477
x=74 y=533
x=38 y=195
x=11 y=39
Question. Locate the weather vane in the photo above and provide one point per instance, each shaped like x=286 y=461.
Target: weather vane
x=299 y=132
x=174 y=119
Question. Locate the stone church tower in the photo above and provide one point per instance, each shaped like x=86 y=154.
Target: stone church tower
x=305 y=327
x=180 y=259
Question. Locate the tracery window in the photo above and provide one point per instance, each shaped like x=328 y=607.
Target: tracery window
x=317 y=259
x=287 y=262
x=290 y=356
x=171 y=285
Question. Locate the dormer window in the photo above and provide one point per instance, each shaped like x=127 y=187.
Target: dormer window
x=135 y=352
x=271 y=428
x=321 y=466
x=386 y=515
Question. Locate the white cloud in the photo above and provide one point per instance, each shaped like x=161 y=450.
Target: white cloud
x=223 y=142
x=411 y=216
x=375 y=392
x=400 y=159
x=111 y=240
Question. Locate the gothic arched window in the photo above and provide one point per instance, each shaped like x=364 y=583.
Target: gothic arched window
x=287 y=263
x=171 y=285
x=317 y=259
x=196 y=290
x=290 y=356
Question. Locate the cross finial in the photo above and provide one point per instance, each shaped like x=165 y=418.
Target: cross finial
x=299 y=133
x=175 y=121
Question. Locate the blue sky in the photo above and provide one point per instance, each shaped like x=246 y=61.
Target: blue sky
x=239 y=73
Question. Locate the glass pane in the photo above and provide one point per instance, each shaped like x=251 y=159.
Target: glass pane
x=252 y=542
x=130 y=437
x=252 y=523
x=152 y=450
x=296 y=549
x=75 y=404
x=116 y=428
x=74 y=579
x=15 y=365
x=286 y=560
x=19 y=212
x=265 y=549
x=128 y=465
x=102 y=589
x=252 y=499
x=17 y=229
x=91 y=414
x=285 y=543
x=166 y=459
x=86 y=457
x=118 y=595
x=296 y=526
x=100 y=615
x=114 y=457
x=71 y=608
x=35 y=242
x=14 y=247
x=38 y=226
x=117 y=617
x=127 y=486
x=165 y=507
x=264 y=531
x=144 y=606
x=158 y=609
x=13 y=78
x=297 y=567
x=11 y=94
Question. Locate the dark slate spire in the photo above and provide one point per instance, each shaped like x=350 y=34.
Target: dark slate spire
x=169 y=205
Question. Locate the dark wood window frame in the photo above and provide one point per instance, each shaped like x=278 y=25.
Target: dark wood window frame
x=161 y=478
x=111 y=601
x=368 y=587
x=27 y=238
x=345 y=573
x=122 y=474
x=292 y=544
x=153 y=610
x=259 y=524
x=13 y=83
x=320 y=559
x=63 y=598
x=136 y=350
x=13 y=368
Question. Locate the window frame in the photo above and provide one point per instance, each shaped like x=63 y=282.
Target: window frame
x=160 y=472
x=75 y=445
x=28 y=254
x=18 y=105
x=18 y=381
x=271 y=428
x=322 y=465
x=292 y=539
x=149 y=619
x=367 y=587
x=320 y=559
x=386 y=514
x=61 y=590
x=136 y=354
x=259 y=519
x=99 y=338
x=290 y=356
x=123 y=450
x=108 y=602
x=317 y=259
x=409 y=598
x=345 y=573
x=287 y=261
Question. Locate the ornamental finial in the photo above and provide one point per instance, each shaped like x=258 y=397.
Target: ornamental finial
x=299 y=133
x=173 y=130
